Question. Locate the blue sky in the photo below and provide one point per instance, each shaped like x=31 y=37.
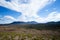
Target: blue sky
x=49 y=8
x=41 y=11
x=4 y=11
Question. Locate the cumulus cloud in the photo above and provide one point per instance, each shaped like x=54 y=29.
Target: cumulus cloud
x=7 y=19
x=53 y=16
x=29 y=10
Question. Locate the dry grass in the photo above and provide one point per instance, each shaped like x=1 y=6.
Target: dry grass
x=14 y=33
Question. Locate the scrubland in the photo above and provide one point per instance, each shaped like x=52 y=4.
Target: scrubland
x=17 y=33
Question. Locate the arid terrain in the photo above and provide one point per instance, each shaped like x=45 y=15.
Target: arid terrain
x=20 y=32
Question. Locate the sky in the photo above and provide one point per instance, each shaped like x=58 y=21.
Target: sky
x=40 y=11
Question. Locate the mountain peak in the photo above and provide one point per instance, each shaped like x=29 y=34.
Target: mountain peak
x=19 y=22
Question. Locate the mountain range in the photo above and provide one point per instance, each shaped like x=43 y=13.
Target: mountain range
x=34 y=25
x=18 y=22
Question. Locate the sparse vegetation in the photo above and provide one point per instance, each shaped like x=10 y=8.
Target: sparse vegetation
x=18 y=36
x=30 y=32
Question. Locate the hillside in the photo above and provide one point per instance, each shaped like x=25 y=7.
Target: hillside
x=34 y=25
x=40 y=31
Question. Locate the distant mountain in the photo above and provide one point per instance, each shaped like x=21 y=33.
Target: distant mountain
x=34 y=25
x=54 y=22
x=18 y=22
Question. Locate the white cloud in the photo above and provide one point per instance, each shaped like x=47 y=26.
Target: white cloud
x=53 y=16
x=10 y=17
x=7 y=19
x=29 y=10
